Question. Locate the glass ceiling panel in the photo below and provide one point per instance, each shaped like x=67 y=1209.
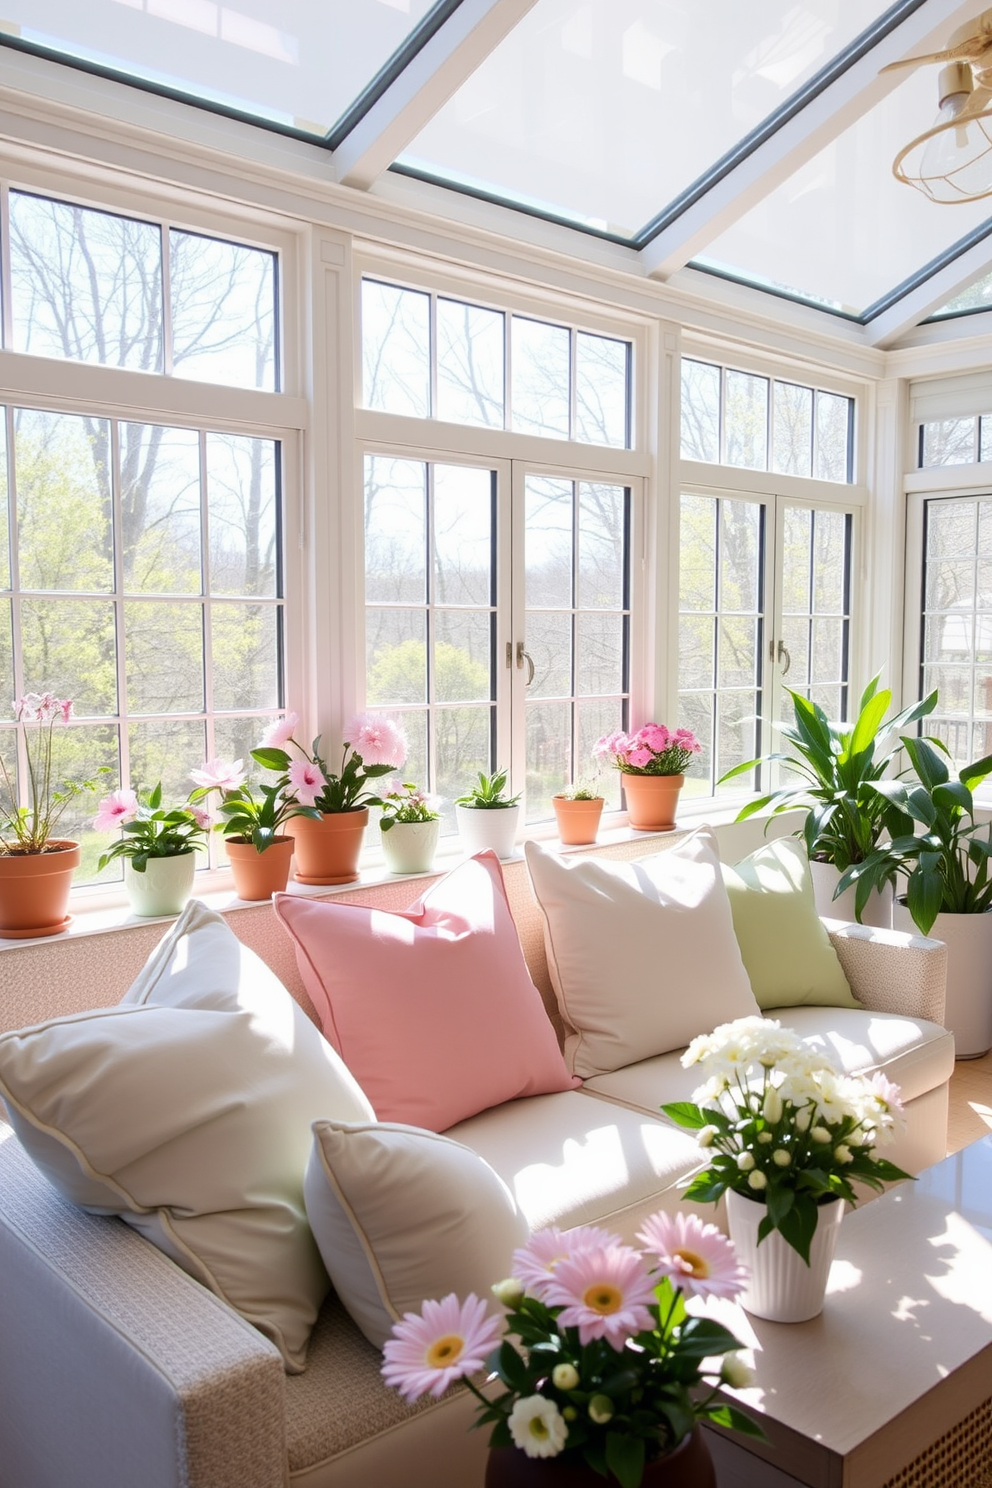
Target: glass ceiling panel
x=843 y=231
x=977 y=296
x=299 y=63
x=603 y=113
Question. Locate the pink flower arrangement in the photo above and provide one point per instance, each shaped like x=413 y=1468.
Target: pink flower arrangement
x=149 y=829
x=27 y=828
x=600 y=1359
x=653 y=750
x=373 y=746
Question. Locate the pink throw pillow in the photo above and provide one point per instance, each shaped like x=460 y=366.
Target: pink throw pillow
x=431 y=1008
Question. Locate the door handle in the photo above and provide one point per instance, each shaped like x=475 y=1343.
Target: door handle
x=525 y=656
x=783 y=655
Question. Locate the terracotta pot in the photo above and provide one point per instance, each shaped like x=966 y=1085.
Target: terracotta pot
x=327 y=851
x=578 y=821
x=781 y=1286
x=259 y=875
x=164 y=887
x=652 y=801
x=689 y=1466
x=409 y=847
x=34 y=890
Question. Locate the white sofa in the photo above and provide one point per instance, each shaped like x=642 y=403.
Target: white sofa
x=117 y=1370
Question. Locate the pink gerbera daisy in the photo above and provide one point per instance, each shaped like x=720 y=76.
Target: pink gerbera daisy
x=119 y=807
x=307 y=781
x=605 y=1293
x=447 y=1341
x=534 y=1264
x=280 y=731
x=698 y=1258
x=378 y=740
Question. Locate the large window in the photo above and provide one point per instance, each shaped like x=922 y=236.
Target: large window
x=497 y=620
x=140 y=554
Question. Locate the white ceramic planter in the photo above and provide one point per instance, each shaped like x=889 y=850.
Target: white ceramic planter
x=782 y=1287
x=164 y=887
x=409 y=847
x=878 y=910
x=968 y=1011
x=495 y=828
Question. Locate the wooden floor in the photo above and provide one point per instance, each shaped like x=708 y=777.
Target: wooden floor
x=970 y=1114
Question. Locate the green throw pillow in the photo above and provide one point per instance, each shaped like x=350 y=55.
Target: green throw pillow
x=785 y=949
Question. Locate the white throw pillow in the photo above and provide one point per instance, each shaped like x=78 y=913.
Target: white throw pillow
x=401 y=1214
x=187 y=1110
x=642 y=955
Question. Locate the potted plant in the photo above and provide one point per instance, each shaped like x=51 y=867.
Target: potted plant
x=602 y=1372
x=789 y=1136
x=36 y=867
x=328 y=843
x=942 y=853
x=578 y=809
x=652 y=762
x=835 y=770
x=259 y=854
x=157 y=845
x=487 y=816
x=410 y=824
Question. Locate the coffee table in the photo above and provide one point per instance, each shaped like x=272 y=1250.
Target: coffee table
x=891 y=1387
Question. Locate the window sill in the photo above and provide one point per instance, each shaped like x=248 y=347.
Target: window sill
x=99 y=911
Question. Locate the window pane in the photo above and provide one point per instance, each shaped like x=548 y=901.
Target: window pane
x=160 y=509
x=834 y=416
x=463 y=534
x=595 y=717
x=793 y=422
x=85 y=285
x=396 y=349
x=949 y=442
x=470 y=357
x=223 y=311
x=244 y=644
x=797 y=554
x=746 y=420
x=243 y=508
x=697 y=639
x=540 y=399
x=737 y=646
x=599 y=646
x=162 y=751
x=700 y=411
x=830 y=562
x=396 y=656
x=549 y=645
x=395 y=530
x=548 y=505
x=68 y=646
x=4 y=506
x=62 y=466
x=88 y=749
x=740 y=555
x=6 y=660
x=462 y=748
x=462 y=652
x=985 y=438
x=163 y=657
x=697 y=553
x=736 y=734
x=601 y=542
x=601 y=390
x=827 y=653
x=549 y=755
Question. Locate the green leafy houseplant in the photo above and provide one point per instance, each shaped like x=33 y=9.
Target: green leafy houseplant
x=488 y=793
x=406 y=805
x=838 y=769
x=247 y=817
x=149 y=829
x=784 y=1126
x=946 y=864
x=601 y=1363
x=578 y=793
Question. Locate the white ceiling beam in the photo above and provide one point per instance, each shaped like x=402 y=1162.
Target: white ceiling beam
x=413 y=98
x=887 y=328
x=802 y=137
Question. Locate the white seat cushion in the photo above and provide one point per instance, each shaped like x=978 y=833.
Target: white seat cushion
x=571 y=1159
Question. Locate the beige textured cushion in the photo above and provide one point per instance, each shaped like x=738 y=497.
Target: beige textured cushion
x=786 y=950
x=642 y=955
x=187 y=1111
x=401 y=1214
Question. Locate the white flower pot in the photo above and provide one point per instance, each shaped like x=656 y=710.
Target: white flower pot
x=968 y=1010
x=164 y=887
x=409 y=847
x=782 y=1287
x=877 y=912
x=480 y=828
